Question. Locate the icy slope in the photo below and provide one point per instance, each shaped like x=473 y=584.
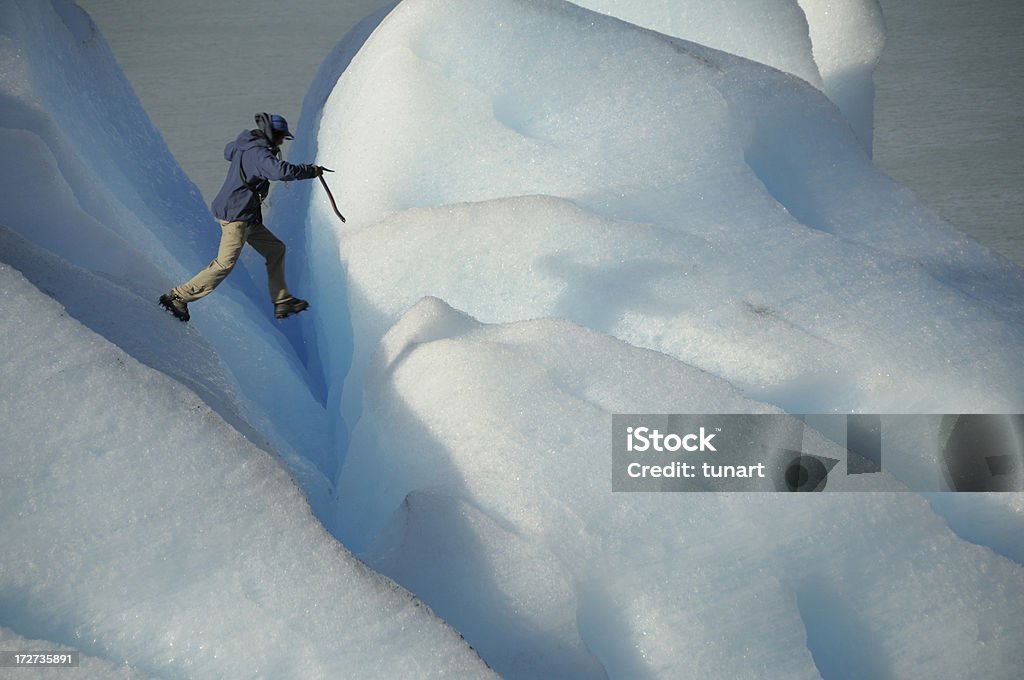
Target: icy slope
x=773 y=32
x=148 y=502
x=733 y=223
x=526 y=159
x=92 y=182
x=89 y=668
x=832 y=44
x=138 y=525
x=541 y=160
x=501 y=518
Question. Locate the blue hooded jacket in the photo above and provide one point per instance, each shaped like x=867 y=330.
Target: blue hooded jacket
x=254 y=162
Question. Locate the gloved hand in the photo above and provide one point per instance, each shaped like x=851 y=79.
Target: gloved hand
x=319 y=170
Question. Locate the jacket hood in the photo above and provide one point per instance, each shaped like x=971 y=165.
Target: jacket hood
x=264 y=125
x=246 y=139
x=262 y=135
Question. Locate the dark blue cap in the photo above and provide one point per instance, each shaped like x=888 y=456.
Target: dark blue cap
x=279 y=124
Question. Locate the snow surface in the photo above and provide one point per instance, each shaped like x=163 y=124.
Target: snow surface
x=98 y=188
x=140 y=526
x=740 y=228
x=88 y=667
x=564 y=217
x=737 y=226
x=500 y=518
x=149 y=506
x=832 y=44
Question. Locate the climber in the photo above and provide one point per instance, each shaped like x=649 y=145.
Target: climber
x=254 y=163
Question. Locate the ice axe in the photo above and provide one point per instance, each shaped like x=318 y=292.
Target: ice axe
x=329 y=194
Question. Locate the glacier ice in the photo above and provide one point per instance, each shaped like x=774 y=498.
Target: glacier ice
x=97 y=188
x=832 y=44
x=88 y=668
x=630 y=221
x=139 y=526
x=149 y=505
x=479 y=477
x=539 y=160
x=740 y=227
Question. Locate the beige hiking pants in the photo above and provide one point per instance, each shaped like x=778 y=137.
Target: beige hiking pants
x=234 y=236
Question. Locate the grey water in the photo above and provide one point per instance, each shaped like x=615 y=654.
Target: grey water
x=202 y=68
x=948 y=107
x=949 y=112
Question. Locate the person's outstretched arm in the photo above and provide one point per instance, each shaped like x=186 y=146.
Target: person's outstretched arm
x=273 y=168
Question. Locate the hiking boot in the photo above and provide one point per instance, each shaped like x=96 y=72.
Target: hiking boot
x=175 y=305
x=286 y=308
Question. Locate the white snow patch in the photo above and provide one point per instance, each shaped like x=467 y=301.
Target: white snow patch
x=501 y=517
x=139 y=527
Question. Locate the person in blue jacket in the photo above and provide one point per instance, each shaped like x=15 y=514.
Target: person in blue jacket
x=254 y=163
